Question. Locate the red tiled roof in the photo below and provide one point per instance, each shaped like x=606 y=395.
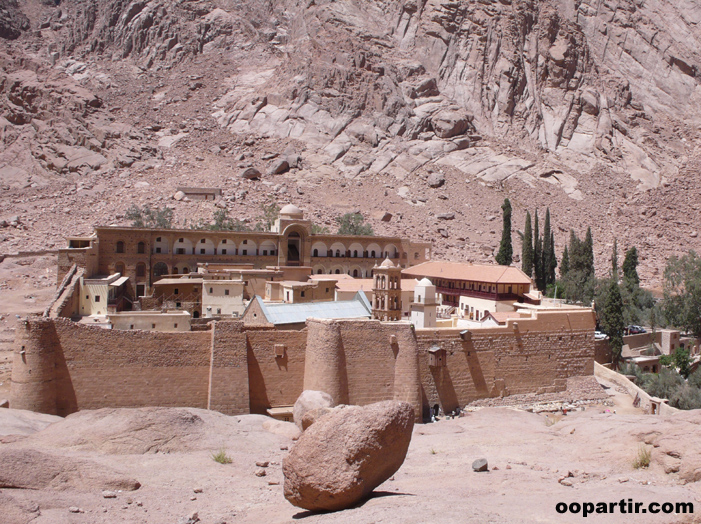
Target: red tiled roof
x=470 y=272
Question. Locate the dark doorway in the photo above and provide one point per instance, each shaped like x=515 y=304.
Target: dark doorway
x=140 y=290
x=195 y=314
x=293 y=248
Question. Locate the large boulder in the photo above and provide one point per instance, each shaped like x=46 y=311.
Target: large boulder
x=308 y=401
x=346 y=454
x=448 y=123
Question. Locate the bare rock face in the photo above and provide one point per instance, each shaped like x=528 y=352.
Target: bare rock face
x=310 y=417
x=308 y=401
x=32 y=469
x=346 y=454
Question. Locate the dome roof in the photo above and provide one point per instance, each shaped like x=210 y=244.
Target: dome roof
x=425 y=282
x=387 y=263
x=291 y=209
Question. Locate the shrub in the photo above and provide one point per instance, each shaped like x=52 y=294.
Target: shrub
x=695 y=378
x=353 y=224
x=663 y=384
x=221 y=457
x=686 y=397
x=153 y=218
x=642 y=459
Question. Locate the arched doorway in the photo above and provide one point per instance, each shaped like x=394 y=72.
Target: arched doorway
x=195 y=314
x=294 y=249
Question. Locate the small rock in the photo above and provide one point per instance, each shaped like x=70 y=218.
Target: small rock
x=443 y=232
x=445 y=216
x=436 y=180
x=260 y=472
x=141 y=185
x=480 y=465
x=197 y=490
x=251 y=174
x=387 y=217
x=4 y=403
x=179 y=195
x=73 y=509
x=273 y=483
x=694 y=234
x=199 y=158
x=279 y=167
x=284 y=448
x=263 y=464
x=508 y=466
x=566 y=482
x=109 y=494
x=193 y=498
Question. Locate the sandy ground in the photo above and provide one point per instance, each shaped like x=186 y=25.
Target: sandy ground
x=528 y=454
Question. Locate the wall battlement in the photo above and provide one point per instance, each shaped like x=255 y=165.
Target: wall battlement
x=61 y=367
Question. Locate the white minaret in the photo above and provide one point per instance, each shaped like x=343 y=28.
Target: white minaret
x=423 y=308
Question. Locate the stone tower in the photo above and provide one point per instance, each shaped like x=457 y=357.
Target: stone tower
x=424 y=306
x=387 y=291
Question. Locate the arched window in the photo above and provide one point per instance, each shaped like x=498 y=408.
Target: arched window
x=175 y=270
x=159 y=270
x=372 y=254
x=120 y=247
x=319 y=271
x=316 y=253
x=338 y=271
x=141 y=248
x=355 y=253
x=338 y=253
x=355 y=273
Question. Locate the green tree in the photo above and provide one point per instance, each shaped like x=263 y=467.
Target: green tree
x=630 y=267
x=547 y=250
x=537 y=255
x=505 y=255
x=160 y=218
x=320 y=230
x=682 y=292
x=270 y=214
x=588 y=254
x=353 y=224
x=680 y=360
x=611 y=319
x=527 y=249
x=565 y=263
x=553 y=260
x=614 y=261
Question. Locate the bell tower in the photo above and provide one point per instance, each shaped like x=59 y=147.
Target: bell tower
x=387 y=291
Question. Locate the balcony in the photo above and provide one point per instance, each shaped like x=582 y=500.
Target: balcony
x=497 y=297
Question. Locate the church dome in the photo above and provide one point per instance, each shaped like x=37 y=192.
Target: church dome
x=425 y=282
x=292 y=211
x=387 y=263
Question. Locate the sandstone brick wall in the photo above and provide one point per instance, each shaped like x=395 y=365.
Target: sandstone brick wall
x=60 y=366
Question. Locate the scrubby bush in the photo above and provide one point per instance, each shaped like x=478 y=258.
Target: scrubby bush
x=662 y=384
x=686 y=397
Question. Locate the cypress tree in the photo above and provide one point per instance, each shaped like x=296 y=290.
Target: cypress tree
x=505 y=254
x=527 y=249
x=612 y=319
x=553 y=260
x=547 y=250
x=630 y=268
x=614 y=261
x=565 y=263
x=588 y=255
x=537 y=254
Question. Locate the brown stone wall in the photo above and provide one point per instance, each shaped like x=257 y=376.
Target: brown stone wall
x=275 y=381
x=228 y=378
x=537 y=356
x=602 y=352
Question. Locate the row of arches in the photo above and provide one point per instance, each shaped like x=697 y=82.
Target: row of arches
x=355 y=250
x=353 y=271
x=202 y=246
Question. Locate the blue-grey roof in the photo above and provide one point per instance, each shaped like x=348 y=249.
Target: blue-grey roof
x=279 y=314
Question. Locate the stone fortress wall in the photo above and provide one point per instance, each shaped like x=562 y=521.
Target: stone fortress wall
x=60 y=367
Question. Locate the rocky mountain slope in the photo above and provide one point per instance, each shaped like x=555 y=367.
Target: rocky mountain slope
x=590 y=108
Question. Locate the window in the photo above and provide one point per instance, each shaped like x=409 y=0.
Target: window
x=302 y=294
x=181 y=240
x=338 y=253
x=327 y=290
x=355 y=253
x=180 y=251
x=265 y=252
x=158 y=250
x=316 y=252
x=153 y=326
x=226 y=292
x=218 y=311
x=176 y=291
x=97 y=298
x=245 y=251
x=223 y=241
x=177 y=304
x=175 y=326
x=120 y=247
x=87 y=297
x=158 y=239
x=141 y=248
x=211 y=290
x=372 y=254
x=223 y=251
x=202 y=241
x=288 y=296
x=245 y=242
x=141 y=270
x=131 y=326
x=202 y=251
x=175 y=270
